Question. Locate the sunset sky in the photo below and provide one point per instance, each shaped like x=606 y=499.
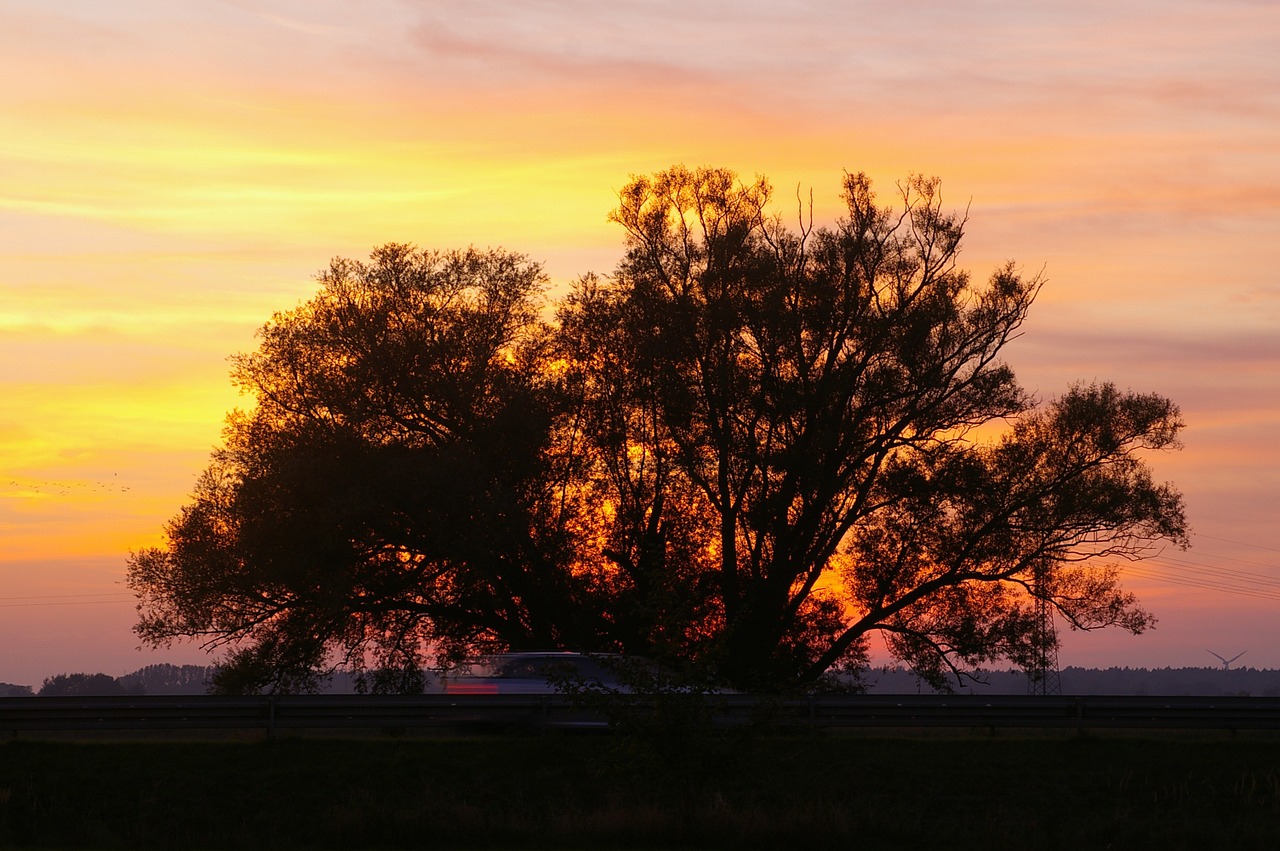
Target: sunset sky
x=172 y=173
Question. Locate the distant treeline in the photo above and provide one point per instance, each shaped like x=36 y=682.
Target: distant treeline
x=153 y=679
x=1117 y=681
x=194 y=679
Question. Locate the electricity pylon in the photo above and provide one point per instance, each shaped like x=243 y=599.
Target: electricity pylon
x=1043 y=677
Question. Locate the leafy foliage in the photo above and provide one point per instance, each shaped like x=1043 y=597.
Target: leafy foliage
x=384 y=495
x=743 y=453
x=169 y=679
x=86 y=685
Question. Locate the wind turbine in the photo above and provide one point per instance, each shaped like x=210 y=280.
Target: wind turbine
x=1226 y=663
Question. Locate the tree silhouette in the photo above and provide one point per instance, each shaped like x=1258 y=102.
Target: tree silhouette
x=747 y=450
x=775 y=409
x=385 y=494
x=169 y=679
x=87 y=685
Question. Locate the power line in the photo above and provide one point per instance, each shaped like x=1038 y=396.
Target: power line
x=1189 y=572
x=1206 y=583
x=1216 y=570
x=65 y=603
x=1241 y=543
x=1243 y=560
x=1221 y=576
x=66 y=596
x=66 y=600
x=1191 y=582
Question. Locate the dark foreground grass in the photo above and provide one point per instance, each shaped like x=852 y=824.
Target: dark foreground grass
x=606 y=792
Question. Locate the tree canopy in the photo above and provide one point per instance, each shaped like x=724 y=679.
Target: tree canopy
x=744 y=451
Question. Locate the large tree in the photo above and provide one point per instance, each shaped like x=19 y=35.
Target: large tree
x=821 y=402
x=746 y=450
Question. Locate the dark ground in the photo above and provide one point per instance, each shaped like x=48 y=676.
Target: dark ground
x=555 y=791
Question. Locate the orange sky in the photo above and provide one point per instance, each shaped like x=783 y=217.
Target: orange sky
x=170 y=174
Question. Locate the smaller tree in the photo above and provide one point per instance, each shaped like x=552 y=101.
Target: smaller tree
x=797 y=436
x=164 y=678
x=86 y=685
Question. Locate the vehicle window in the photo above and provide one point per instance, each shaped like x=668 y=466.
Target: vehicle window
x=521 y=669
x=552 y=667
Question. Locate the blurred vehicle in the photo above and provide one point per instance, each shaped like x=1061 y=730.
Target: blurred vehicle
x=541 y=673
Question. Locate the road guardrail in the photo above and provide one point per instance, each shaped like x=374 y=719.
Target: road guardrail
x=479 y=713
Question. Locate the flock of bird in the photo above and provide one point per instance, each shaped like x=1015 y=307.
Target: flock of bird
x=30 y=487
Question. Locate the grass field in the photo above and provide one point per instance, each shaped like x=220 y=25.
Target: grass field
x=554 y=791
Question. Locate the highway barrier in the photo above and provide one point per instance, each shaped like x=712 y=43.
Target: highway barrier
x=482 y=713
